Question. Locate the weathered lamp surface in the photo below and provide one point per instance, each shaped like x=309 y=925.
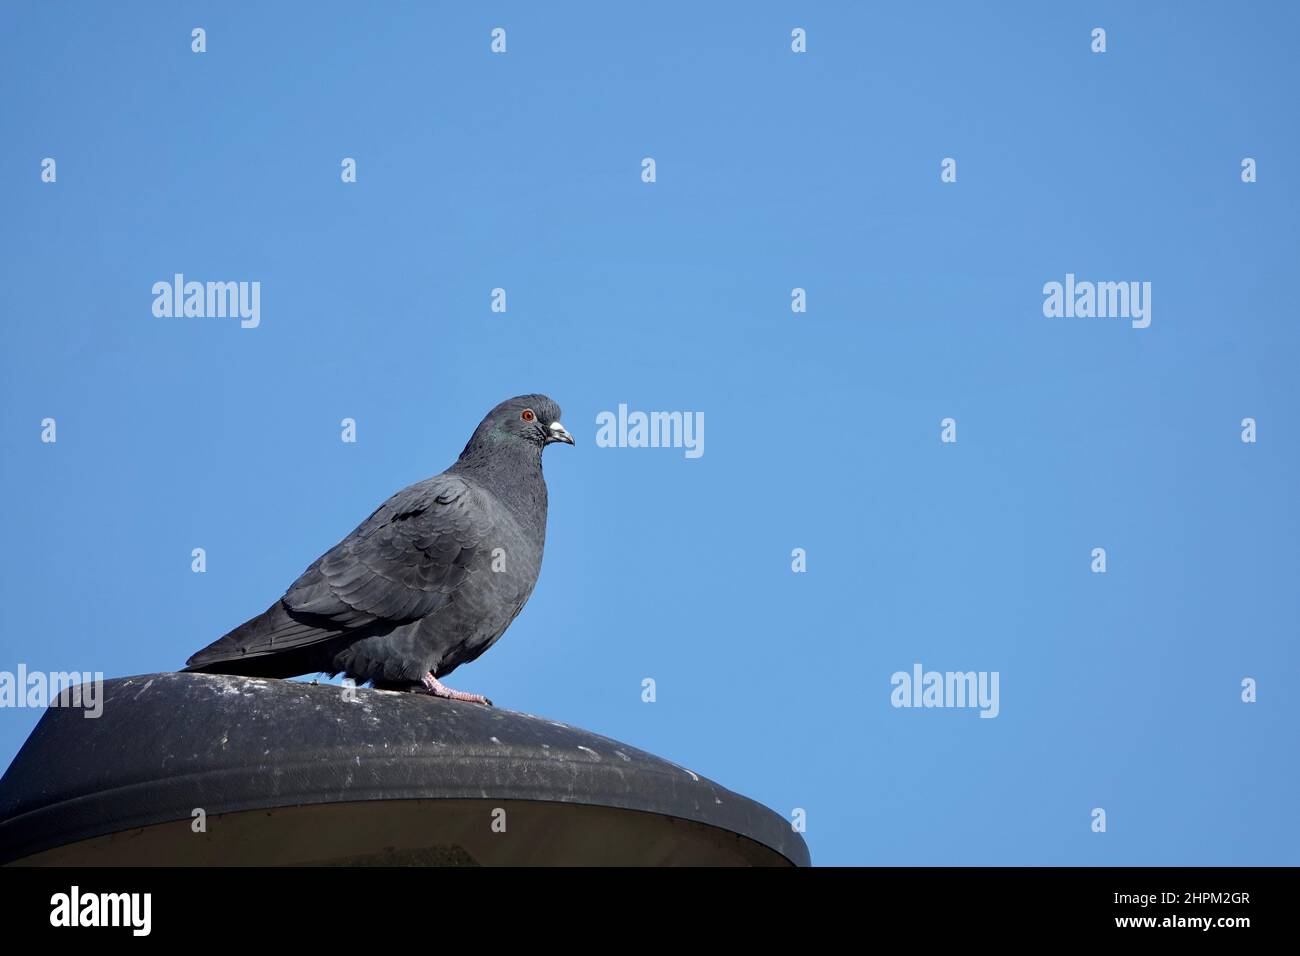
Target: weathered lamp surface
x=282 y=772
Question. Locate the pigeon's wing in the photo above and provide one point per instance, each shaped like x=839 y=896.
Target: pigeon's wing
x=402 y=563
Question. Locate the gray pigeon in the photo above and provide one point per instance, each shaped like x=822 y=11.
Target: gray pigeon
x=427 y=582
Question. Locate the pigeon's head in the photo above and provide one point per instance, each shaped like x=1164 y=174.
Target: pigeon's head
x=528 y=421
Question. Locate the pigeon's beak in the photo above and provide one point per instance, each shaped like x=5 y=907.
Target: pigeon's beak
x=559 y=433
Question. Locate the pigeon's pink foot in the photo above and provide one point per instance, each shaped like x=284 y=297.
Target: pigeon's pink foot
x=436 y=688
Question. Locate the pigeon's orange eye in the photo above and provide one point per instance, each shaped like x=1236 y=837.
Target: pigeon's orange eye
x=528 y=415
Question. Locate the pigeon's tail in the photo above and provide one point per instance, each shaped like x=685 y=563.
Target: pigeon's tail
x=273 y=644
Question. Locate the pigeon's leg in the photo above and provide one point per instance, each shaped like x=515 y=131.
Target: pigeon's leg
x=436 y=688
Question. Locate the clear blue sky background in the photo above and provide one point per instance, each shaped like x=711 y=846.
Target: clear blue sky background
x=775 y=170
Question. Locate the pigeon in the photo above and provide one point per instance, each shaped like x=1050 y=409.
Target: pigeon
x=428 y=582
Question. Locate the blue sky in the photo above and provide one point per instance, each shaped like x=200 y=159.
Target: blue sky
x=775 y=170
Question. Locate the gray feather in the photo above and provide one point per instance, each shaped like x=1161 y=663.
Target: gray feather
x=428 y=582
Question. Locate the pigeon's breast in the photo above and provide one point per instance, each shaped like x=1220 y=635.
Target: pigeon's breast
x=502 y=572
